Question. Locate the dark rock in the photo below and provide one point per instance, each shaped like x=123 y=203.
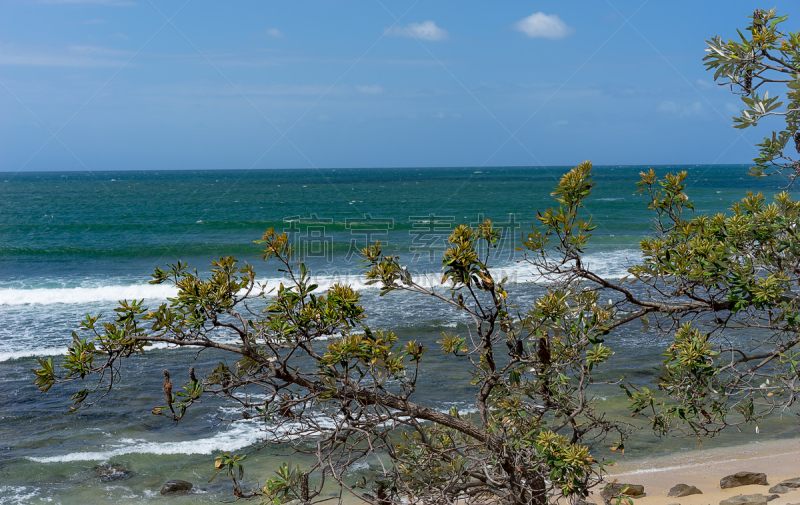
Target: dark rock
x=681 y=490
x=780 y=488
x=613 y=490
x=743 y=479
x=747 y=499
x=792 y=483
x=109 y=472
x=773 y=496
x=151 y=426
x=177 y=487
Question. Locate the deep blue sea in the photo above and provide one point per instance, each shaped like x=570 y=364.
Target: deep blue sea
x=73 y=243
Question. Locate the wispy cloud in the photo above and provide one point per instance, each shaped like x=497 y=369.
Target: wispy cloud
x=695 y=109
x=114 y=3
x=451 y=115
x=543 y=26
x=427 y=30
x=245 y=59
x=369 y=90
x=74 y=56
x=221 y=90
x=704 y=84
x=270 y=33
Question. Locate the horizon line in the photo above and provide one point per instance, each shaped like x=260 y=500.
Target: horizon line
x=477 y=168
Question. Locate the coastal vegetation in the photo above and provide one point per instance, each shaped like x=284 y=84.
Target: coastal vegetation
x=724 y=288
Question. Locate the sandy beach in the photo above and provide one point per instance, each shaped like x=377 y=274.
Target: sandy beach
x=780 y=460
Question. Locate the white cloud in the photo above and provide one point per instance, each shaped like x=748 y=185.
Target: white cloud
x=543 y=26
x=74 y=56
x=289 y=89
x=115 y=3
x=704 y=84
x=695 y=109
x=77 y=49
x=274 y=33
x=369 y=90
x=562 y=122
x=442 y=115
x=427 y=30
x=732 y=108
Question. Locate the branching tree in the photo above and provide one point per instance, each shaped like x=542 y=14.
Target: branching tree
x=345 y=392
x=724 y=287
x=763 y=56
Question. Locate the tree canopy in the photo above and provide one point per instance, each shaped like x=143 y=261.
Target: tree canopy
x=723 y=287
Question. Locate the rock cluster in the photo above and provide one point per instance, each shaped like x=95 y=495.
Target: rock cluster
x=750 y=478
x=612 y=491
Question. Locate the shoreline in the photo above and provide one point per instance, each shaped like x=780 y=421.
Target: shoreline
x=778 y=459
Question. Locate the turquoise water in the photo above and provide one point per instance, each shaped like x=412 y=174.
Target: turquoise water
x=75 y=243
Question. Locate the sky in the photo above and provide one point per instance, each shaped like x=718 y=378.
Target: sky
x=200 y=84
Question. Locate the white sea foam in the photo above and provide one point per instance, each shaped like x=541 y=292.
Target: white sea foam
x=45 y=296
x=41 y=352
x=612 y=264
x=241 y=434
x=28 y=353
x=18 y=494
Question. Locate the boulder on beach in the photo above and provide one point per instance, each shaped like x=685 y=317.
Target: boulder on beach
x=680 y=490
x=773 y=497
x=792 y=483
x=743 y=479
x=746 y=499
x=780 y=489
x=611 y=491
x=109 y=472
x=177 y=487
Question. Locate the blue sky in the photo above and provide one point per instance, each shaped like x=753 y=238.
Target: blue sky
x=157 y=84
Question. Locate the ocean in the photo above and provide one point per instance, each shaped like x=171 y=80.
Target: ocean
x=73 y=243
